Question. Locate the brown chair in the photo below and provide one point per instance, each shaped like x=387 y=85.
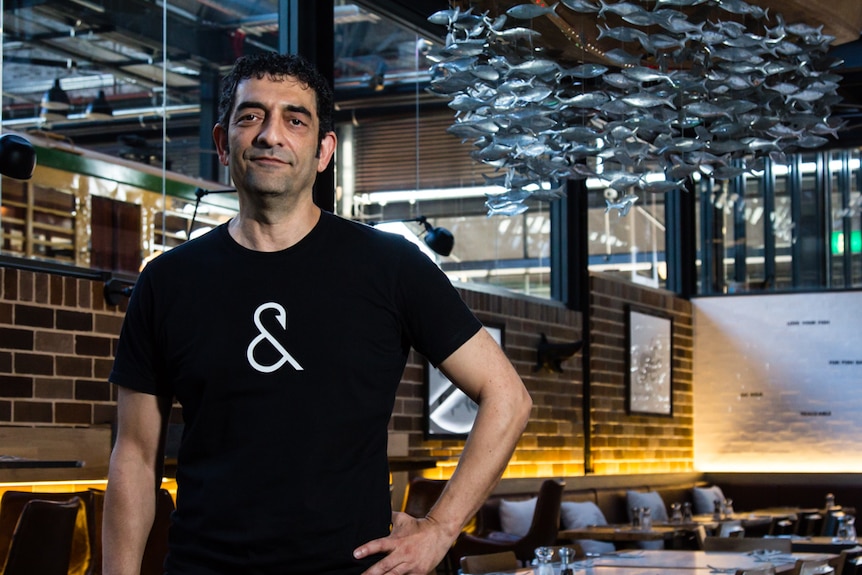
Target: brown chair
x=809 y=524
x=846 y=564
x=812 y=567
x=489 y=563
x=747 y=544
x=700 y=536
x=782 y=525
x=421 y=495
x=769 y=570
x=542 y=532
x=85 y=542
x=42 y=540
x=157 y=543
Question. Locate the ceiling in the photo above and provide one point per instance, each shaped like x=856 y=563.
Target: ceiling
x=116 y=46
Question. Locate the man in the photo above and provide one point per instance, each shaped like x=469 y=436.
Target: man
x=284 y=334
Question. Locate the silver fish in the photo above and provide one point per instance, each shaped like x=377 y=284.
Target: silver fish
x=661 y=186
x=622 y=58
x=622 y=33
x=530 y=11
x=584 y=71
x=582 y=6
x=623 y=206
x=648 y=100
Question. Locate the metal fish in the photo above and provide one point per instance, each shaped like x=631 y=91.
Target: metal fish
x=648 y=100
x=623 y=206
x=584 y=71
x=530 y=11
x=582 y=6
x=622 y=58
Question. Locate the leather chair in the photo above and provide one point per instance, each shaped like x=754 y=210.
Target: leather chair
x=157 y=544
x=42 y=540
x=421 y=495
x=489 y=563
x=543 y=530
x=85 y=541
x=848 y=561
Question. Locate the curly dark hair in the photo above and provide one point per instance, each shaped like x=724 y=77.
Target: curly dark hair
x=276 y=66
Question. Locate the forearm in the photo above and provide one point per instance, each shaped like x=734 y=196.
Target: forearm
x=130 y=502
x=495 y=434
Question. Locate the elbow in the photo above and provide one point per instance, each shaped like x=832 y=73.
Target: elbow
x=524 y=407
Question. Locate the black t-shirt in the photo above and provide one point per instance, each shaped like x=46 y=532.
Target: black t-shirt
x=286 y=365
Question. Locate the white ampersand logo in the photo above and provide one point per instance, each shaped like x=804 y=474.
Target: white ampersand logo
x=281 y=316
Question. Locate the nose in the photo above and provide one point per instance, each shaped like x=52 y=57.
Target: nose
x=271 y=133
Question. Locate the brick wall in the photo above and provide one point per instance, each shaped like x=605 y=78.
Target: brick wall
x=553 y=443
x=622 y=443
x=57 y=337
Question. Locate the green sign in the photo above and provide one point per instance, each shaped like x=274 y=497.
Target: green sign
x=855 y=242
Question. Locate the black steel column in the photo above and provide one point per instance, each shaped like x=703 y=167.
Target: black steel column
x=740 y=241
x=570 y=281
x=681 y=240
x=307 y=28
x=844 y=178
x=767 y=182
x=208 y=163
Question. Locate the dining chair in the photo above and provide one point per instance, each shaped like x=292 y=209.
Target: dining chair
x=812 y=567
x=421 y=494
x=731 y=529
x=85 y=541
x=809 y=524
x=768 y=570
x=42 y=541
x=782 y=525
x=542 y=532
x=846 y=564
x=489 y=563
x=747 y=544
x=157 y=542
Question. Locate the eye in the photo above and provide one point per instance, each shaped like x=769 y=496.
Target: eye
x=248 y=117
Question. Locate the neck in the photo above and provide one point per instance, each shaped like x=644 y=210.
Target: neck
x=273 y=232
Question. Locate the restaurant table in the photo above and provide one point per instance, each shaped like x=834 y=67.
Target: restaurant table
x=702 y=560
x=658 y=562
x=620 y=533
x=820 y=544
x=14 y=462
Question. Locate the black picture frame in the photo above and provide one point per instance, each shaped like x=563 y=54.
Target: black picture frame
x=449 y=413
x=649 y=362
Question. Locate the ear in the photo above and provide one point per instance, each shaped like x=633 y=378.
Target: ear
x=220 y=139
x=327 y=149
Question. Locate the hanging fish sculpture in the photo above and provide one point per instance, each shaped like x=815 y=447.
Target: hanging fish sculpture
x=712 y=98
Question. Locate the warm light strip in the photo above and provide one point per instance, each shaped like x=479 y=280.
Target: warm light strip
x=383 y=198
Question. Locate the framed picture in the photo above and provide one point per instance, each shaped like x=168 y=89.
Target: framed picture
x=449 y=413
x=649 y=379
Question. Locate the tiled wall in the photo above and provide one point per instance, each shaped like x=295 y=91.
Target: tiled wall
x=57 y=338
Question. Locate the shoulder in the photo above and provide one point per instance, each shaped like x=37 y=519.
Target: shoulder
x=191 y=250
x=364 y=236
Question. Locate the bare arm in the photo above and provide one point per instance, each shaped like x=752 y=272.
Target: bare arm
x=133 y=478
x=482 y=371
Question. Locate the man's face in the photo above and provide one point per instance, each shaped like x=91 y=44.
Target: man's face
x=271 y=143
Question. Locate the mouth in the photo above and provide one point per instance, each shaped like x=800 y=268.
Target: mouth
x=268 y=160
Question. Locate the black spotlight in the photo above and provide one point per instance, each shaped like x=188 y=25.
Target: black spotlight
x=438 y=239
x=17 y=157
